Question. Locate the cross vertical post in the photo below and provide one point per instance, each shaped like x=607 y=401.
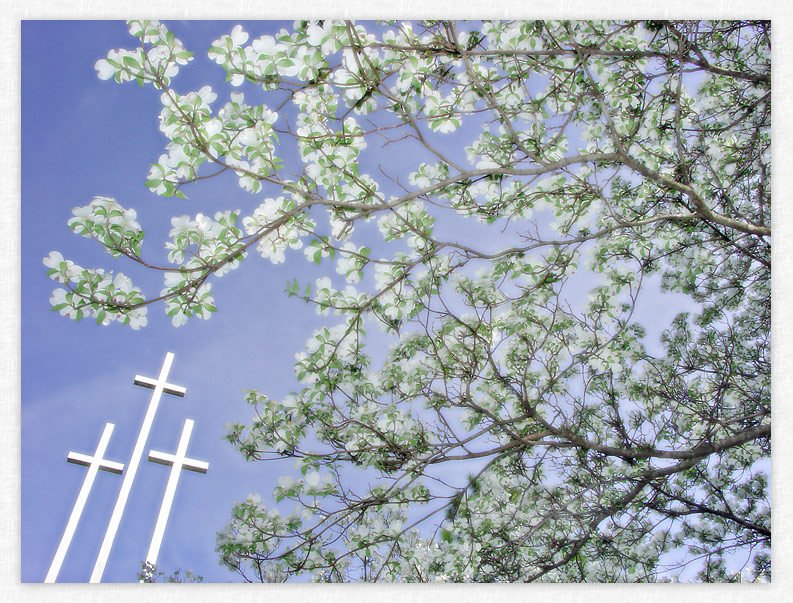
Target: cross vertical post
x=94 y=464
x=159 y=386
x=177 y=462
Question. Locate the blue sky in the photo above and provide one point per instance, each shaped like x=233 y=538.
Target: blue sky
x=83 y=137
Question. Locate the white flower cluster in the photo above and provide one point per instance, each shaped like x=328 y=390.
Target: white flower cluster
x=267 y=58
x=351 y=261
x=212 y=244
x=186 y=298
x=107 y=222
x=156 y=64
x=215 y=247
x=242 y=135
x=102 y=296
x=395 y=300
x=411 y=219
x=278 y=225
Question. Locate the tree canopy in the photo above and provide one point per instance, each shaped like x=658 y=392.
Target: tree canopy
x=494 y=203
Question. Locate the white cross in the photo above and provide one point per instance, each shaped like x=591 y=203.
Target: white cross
x=159 y=386
x=177 y=462
x=168 y=388
x=94 y=464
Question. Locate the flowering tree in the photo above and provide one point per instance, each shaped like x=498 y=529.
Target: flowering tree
x=492 y=201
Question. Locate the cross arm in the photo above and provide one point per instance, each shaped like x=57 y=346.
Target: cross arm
x=163 y=458
x=168 y=388
x=86 y=461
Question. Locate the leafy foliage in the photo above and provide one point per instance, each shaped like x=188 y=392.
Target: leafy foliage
x=151 y=573
x=499 y=198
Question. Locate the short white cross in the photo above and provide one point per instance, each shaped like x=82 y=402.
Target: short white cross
x=177 y=462
x=94 y=464
x=159 y=386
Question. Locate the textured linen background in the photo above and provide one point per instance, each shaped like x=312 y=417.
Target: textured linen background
x=781 y=14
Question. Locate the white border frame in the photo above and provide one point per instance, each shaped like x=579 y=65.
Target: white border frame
x=781 y=14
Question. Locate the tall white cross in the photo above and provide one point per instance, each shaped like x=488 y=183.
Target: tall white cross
x=94 y=464
x=159 y=386
x=177 y=462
